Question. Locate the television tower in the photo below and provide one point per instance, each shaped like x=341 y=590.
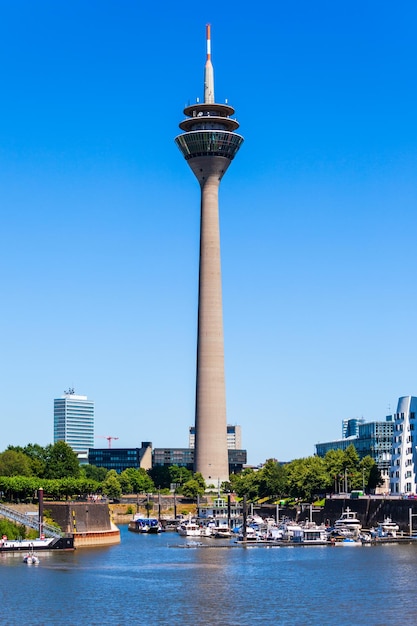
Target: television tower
x=209 y=144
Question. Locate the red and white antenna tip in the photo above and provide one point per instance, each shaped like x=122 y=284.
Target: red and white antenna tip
x=208 y=41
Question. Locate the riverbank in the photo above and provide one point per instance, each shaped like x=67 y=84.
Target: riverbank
x=89 y=523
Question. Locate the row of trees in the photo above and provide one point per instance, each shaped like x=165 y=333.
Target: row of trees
x=113 y=485
x=56 y=460
x=56 y=469
x=339 y=470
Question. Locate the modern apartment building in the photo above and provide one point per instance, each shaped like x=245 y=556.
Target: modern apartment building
x=403 y=471
x=74 y=422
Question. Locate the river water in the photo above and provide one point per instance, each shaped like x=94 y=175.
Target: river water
x=150 y=580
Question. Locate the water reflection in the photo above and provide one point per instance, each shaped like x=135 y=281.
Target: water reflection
x=145 y=580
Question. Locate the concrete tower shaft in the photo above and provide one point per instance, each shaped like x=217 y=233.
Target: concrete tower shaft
x=209 y=144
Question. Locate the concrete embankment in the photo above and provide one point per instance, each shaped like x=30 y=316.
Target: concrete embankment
x=369 y=509
x=90 y=523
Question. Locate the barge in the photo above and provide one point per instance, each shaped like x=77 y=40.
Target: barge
x=36 y=545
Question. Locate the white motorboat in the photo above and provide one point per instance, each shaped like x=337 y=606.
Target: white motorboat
x=387 y=528
x=31 y=559
x=348 y=520
x=189 y=528
x=274 y=534
x=222 y=532
x=289 y=530
x=251 y=535
x=310 y=533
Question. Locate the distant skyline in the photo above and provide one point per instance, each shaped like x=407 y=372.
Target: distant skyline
x=99 y=228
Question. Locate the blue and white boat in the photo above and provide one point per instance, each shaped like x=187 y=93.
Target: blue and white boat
x=145 y=525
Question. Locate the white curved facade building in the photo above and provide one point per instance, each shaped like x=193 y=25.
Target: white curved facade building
x=404 y=448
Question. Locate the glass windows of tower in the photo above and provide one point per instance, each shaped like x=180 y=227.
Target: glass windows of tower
x=201 y=143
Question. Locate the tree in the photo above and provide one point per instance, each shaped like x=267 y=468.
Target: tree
x=374 y=478
x=307 y=477
x=246 y=484
x=12 y=531
x=124 y=480
x=351 y=458
x=141 y=481
x=179 y=475
x=95 y=473
x=272 y=479
x=62 y=461
x=333 y=462
x=370 y=474
x=19 y=487
x=198 y=476
x=37 y=455
x=111 y=486
x=14 y=463
x=136 y=480
x=191 y=489
x=161 y=476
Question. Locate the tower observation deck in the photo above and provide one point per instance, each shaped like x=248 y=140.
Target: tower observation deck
x=209 y=144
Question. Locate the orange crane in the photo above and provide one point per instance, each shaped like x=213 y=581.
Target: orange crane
x=109 y=438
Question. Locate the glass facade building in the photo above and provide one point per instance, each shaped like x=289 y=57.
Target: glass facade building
x=184 y=457
x=120 y=459
x=350 y=427
x=373 y=439
x=74 y=422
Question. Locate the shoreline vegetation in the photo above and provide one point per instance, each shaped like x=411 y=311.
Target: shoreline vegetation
x=56 y=469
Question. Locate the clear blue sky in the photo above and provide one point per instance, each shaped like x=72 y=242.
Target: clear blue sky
x=100 y=216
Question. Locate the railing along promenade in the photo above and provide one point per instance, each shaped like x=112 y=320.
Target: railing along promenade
x=29 y=520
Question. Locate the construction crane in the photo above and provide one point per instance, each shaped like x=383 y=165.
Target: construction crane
x=109 y=438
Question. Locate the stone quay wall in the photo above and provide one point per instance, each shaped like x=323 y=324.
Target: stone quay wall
x=89 y=522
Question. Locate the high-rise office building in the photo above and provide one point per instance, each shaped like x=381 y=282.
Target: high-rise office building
x=74 y=422
x=209 y=145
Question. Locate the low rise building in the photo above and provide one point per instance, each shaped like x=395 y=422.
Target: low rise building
x=184 y=457
x=119 y=459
